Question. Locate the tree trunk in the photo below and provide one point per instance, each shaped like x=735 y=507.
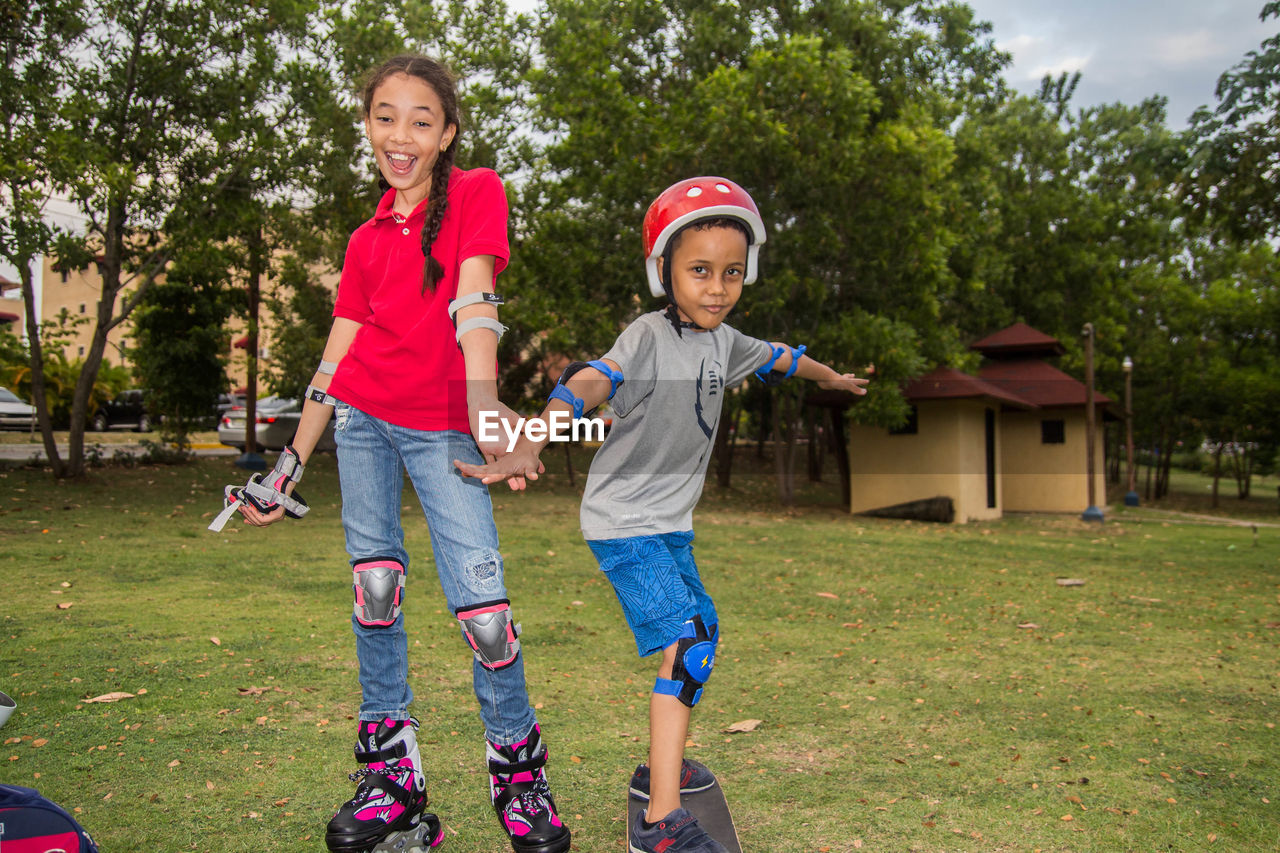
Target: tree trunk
x=841 y=448
x=1217 y=472
x=1114 y=441
x=37 y=372
x=766 y=419
x=815 y=448
x=784 y=446
x=1151 y=466
x=1166 y=463
x=568 y=463
x=254 y=275
x=726 y=440
x=109 y=269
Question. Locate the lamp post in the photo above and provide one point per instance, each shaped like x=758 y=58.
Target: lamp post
x=1092 y=513
x=1131 y=496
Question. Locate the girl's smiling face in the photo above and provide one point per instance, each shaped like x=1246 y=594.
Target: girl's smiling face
x=407 y=128
x=707 y=269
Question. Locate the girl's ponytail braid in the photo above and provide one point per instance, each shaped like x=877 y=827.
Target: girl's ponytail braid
x=432 y=272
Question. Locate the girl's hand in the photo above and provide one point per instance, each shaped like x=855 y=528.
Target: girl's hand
x=258 y=519
x=495 y=422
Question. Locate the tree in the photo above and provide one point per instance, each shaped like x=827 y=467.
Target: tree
x=303 y=309
x=1234 y=180
x=835 y=116
x=165 y=116
x=179 y=338
x=36 y=62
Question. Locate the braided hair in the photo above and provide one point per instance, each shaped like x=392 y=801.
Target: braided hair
x=441 y=81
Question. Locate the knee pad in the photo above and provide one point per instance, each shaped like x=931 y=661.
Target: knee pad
x=490 y=633
x=379 y=588
x=695 y=657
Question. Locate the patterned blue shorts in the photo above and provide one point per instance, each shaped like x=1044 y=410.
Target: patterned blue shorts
x=657 y=584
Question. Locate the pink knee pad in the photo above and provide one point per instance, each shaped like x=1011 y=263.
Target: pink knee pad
x=379 y=588
x=490 y=633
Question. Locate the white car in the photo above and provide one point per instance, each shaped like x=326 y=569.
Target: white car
x=277 y=422
x=14 y=413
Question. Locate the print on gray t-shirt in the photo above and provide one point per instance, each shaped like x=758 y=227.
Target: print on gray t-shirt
x=648 y=475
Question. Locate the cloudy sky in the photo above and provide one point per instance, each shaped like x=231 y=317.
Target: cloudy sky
x=1127 y=50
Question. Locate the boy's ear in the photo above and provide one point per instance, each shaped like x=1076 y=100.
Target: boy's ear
x=662 y=267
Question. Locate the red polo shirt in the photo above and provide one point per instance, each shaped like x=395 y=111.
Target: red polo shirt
x=404 y=365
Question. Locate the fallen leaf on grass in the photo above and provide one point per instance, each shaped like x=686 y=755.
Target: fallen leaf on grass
x=1070 y=582
x=215 y=641
x=63 y=605
x=1028 y=625
x=115 y=696
x=829 y=595
x=253 y=691
x=744 y=726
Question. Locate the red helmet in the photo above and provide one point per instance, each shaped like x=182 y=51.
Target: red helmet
x=689 y=201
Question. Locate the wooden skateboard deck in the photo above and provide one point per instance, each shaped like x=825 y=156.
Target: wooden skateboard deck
x=710 y=808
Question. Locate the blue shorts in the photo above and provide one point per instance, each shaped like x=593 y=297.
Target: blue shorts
x=657 y=584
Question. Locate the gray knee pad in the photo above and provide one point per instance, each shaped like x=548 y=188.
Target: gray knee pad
x=379 y=589
x=489 y=631
x=695 y=657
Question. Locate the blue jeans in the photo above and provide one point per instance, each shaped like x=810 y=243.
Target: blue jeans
x=373 y=457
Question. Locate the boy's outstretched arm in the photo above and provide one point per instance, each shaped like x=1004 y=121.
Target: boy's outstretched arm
x=812 y=369
x=590 y=385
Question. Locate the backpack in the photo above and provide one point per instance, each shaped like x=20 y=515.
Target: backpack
x=29 y=823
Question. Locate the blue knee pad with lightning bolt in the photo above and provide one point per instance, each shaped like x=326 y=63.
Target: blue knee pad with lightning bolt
x=695 y=657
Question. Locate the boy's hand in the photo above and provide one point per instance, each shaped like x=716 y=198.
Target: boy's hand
x=515 y=467
x=845 y=382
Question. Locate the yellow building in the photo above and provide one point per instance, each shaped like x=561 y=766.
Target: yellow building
x=949 y=449
x=1011 y=439
x=12 y=310
x=77 y=292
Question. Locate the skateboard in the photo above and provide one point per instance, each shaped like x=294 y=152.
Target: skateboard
x=710 y=808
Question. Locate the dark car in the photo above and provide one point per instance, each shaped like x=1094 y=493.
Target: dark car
x=277 y=422
x=127 y=410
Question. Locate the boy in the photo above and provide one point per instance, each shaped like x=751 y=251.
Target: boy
x=665 y=376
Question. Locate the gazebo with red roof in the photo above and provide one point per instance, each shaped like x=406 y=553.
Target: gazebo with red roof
x=1011 y=438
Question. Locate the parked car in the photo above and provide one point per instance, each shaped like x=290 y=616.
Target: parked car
x=15 y=413
x=226 y=402
x=127 y=410
x=277 y=422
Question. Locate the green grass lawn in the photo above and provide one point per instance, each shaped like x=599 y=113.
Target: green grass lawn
x=919 y=687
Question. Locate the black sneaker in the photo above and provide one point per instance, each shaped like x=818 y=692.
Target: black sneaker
x=678 y=832
x=694 y=777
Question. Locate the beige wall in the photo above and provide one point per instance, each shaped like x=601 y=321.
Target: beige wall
x=947 y=457
x=79 y=291
x=1042 y=477
x=79 y=294
x=11 y=303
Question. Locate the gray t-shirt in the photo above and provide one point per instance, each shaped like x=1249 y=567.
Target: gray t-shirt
x=647 y=477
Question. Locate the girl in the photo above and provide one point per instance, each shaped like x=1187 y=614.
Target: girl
x=408 y=368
